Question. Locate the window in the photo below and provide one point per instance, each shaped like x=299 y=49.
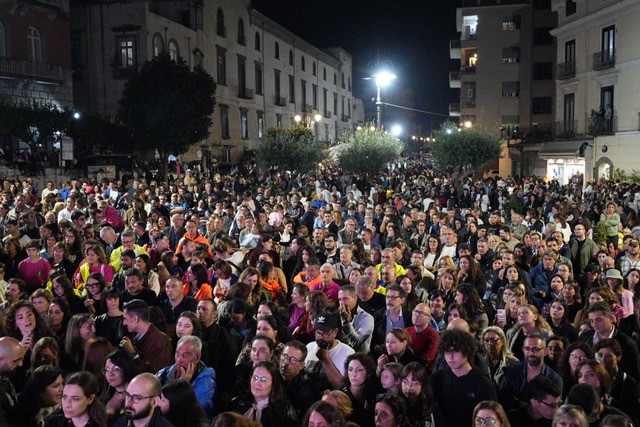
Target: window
x=606 y=97
x=314 y=96
x=569 y=111
x=541 y=105
x=278 y=120
x=303 y=93
x=313 y=69
x=224 y=121
x=541 y=4
x=290 y=57
x=241 y=39
x=257 y=44
x=244 y=123
x=510 y=55
x=158 y=44
x=335 y=103
x=342 y=79
x=542 y=70
x=221 y=65
x=324 y=73
x=258 y=74
x=292 y=89
x=510 y=22
x=221 y=30
x=242 y=75
x=34 y=45
x=335 y=79
x=276 y=49
x=325 y=102
x=276 y=85
x=198 y=57
x=510 y=89
x=349 y=108
x=174 y=50
x=608 y=39
x=570 y=7
x=541 y=36
x=349 y=84
x=260 y=116
x=570 y=51
x=126 y=53
x=303 y=64
x=3 y=40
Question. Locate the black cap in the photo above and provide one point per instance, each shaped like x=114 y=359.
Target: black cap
x=326 y=322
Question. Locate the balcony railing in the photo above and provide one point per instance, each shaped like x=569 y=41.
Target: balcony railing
x=244 y=93
x=280 y=101
x=468 y=103
x=454 y=79
x=467 y=69
x=327 y=114
x=565 y=129
x=566 y=70
x=604 y=59
x=21 y=68
x=535 y=133
x=454 y=109
x=602 y=125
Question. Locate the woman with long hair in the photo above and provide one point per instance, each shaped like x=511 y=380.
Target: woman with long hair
x=94 y=300
x=40 y=397
x=631 y=279
x=412 y=299
x=261 y=347
x=448 y=283
x=315 y=302
x=559 y=323
x=80 y=405
x=73 y=246
x=15 y=255
x=95 y=356
x=573 y=355
x=467 y=296
x=151 y=278
x=46 y=352
x=111 y=323
x=323 y=414
x=266 y=326
x=62 y=288
x=360 y=255
x=490 y=413
x=168 y=266
x=60 y=262
x=251 y=277
x=390 y=411
x=95 y=261
x=529 y=322
x=197 y=285
x=119 y=369
x=58 y=319
x=80 y=329
x=180 y=406
x=438 y=305
x=25 y=324
x=471 y=273
x=572 y=300
x=416 y=391
x=432 y=253
x=297 y=307
x=266 y=401
x=360 y=385
x=397 y=348
x=420 y=239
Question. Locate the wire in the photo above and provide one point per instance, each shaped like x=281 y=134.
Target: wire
x=413 y=109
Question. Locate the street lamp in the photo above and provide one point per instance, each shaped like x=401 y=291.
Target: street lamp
x=383 y=78
x=308 y=121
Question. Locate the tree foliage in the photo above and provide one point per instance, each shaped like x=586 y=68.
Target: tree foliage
x=167 y=106
x=34 y=123
x=458 y=151
x=368 y=151
x=292 y=149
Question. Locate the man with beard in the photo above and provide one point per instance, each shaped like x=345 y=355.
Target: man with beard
x=11 y=354
x=513 y=389
x=299 y=388
x=141 y=402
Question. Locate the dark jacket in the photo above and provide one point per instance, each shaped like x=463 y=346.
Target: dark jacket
x=272 y=416
x=157 y=420
x=155 y=350
x=62 y=421
x=514 y=388
x=630 y=362
x=380 y=327
x=302 y=392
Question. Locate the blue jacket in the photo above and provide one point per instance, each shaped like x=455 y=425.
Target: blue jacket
x=203 y=382
x=540 y=279
x=513 y=388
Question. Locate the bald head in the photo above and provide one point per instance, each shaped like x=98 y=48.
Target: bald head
x=459 y=325
x=148 y=382
x=11 y=354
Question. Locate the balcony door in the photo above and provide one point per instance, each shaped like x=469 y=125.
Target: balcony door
x=608 y=43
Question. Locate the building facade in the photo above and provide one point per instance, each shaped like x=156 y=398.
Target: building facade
x=597 y=104
x=35 y=52
x=265 y=75
x=506 y=76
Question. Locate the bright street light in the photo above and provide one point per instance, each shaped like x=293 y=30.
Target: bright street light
x=468 y=124
x=396 y=130
x=383 y=78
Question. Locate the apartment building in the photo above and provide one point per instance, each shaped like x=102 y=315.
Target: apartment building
x=35 y=52
x=265 y=75
x=597 y=104
x=506 y=77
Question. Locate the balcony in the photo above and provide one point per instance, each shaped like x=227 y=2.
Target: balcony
x=244 y=93
x=32 y=70
x=327 y=114
x=345 y=118
x=455 y=51
x=566 y=70
x=602 y=126
x=307 y=108
x=535 y=133
x=467 y=69
x=468 y=103
x=454 y=109
x=454 y=79
x=566 y=129
x=604 y=59
x=280 y=101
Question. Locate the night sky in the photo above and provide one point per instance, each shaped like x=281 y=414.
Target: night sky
x=413 y=34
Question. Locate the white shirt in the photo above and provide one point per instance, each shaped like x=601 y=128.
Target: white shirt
x=337 y=354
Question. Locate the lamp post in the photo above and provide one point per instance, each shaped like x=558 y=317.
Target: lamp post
x=308 y=121
x=383 y=78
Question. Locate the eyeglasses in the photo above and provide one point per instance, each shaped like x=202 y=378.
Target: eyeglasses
x=135 y=398
x=289 y=359
x=113 y=370
x=486 y=421
x=493 y=340
x=256 y=379
x=555 y=348
x=393 y=297
x=93 y=285
x=554 y=405
x=420 y=313
x=577 y=357
x=126 y=242
x=533 y=349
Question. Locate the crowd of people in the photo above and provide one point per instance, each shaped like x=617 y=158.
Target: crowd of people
x=395 y=300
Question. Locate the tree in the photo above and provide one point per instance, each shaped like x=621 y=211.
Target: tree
x=292 y=149
x=368 y=150
x=460 y=150
x=33 y=123
x=167 y=106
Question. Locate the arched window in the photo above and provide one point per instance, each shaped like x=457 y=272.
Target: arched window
x=34 y=45
x=290 y=57
x=303 y=64
x=221 y=30
x=241 y=39
x=276 y=48
x=258 y=45
x=158 y=44
x=3 y=40
x=174 y=50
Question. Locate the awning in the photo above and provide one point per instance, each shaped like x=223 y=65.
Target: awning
x=561 y=149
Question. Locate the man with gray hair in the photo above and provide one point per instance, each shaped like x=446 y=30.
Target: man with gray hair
x=357 y=324
x=327 y=285
x=189 y=367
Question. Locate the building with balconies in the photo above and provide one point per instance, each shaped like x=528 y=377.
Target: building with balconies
x=506 y=76
x=597 y=105
x=35 y=52
x=265 y=74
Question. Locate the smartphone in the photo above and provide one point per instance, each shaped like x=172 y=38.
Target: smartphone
x=502 y=315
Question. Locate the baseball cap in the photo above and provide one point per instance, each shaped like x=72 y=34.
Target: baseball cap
x=326 y=322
